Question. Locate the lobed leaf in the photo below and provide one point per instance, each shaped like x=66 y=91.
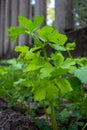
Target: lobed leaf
x=57 y=47
x=64 y=85
x=44 y=32
x=46 y=70
x=70 y=46
x=40 y=94
x=29 y=25
x=81 y=74
x=25 y=22
x=14 y=32
x=51 y=91
x=22 y=49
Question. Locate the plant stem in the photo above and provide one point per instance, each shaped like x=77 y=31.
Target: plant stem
x=43 y=46
x=69 y=54
x=84 y=126
x=45 y=53
x=47 y=121
x=54 y=123
x=82 y=93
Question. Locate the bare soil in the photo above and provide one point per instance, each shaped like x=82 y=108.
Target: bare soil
x=14 y=120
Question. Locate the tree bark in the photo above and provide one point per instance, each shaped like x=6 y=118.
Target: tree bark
x=40 y=9
x=7 y=25
x=24 y=10
x=2 y=29
x=64 y=15
x=14 y=18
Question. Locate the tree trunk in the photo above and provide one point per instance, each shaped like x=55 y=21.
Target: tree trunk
x=24 y=10
x=64 y=15
x=7 y=25
x=2 y=29
x=40 y=9
x=14 y=18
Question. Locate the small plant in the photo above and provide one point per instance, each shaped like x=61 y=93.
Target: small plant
x=47 y=76
x=10 y=71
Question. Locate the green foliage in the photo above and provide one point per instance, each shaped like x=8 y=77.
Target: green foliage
x=41 y=124
x=16 y=31
x=78 y=90
x=46 y=77
x=64 y=85
x=82 y=74
x=9 y=73
x=49 y=34
x=29 y=25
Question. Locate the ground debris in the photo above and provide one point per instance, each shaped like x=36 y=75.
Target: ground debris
x=14 y=120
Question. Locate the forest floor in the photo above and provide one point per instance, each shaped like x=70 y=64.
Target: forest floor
x=11 y=119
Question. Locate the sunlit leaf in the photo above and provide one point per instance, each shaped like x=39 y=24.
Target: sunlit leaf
x=38 y=21
x=58 y=59
x=70 y=46
x=25 y=22
x=44 y=32
x=40 y=94
x=64 y=85
x=82 y=74
x=57 y=47
x=29 y=25
x=46 y=70
x=62 y=39
x=22 y=49
x=51 y=91
x=14 y=32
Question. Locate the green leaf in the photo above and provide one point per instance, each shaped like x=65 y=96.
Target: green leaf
x=44 y=32
x=29 y=55
x=35 y=64
x=32 y=67
x=57 y=38
x=62 y=39
x=68 y=63
x=40 y=94
x=58 y=59
x=15 y=31
x=48 y=110
x=65 y=113
x=22 y=49
x=81 y=74
x=20 y=81
x=75 y=83
x=10 y=61
x=51 y=90
x=25 y=22
x=49 y=34
x=70 y=46
x=78 y=90
x=59 y=71
x=64 y=85
x=57 y=47
x=35 y=48
x=29 y=25
x=46 y=70
x=82 y=61
x=54 y=36
x=38 y=21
